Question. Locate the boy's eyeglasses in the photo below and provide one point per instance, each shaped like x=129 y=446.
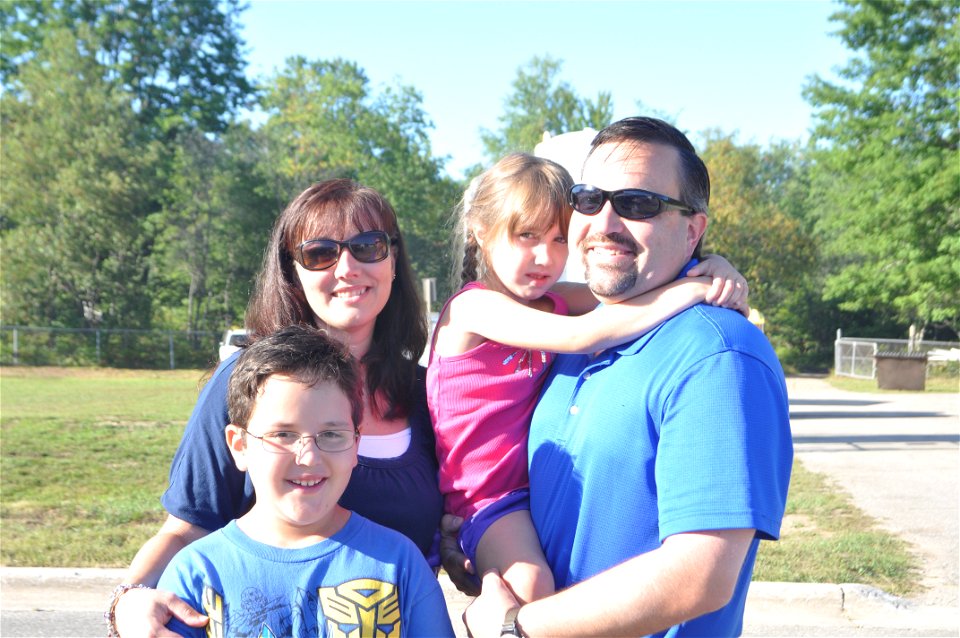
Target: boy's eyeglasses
x=369 y=247
x=629 y=203
x=292 y=442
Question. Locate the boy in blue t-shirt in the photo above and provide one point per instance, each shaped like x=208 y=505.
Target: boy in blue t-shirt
x=299 y=564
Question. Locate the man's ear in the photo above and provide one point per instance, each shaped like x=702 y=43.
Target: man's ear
x=237 y=442
x=696 y=227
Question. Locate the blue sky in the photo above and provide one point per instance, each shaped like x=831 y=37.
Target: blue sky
x=738 y=66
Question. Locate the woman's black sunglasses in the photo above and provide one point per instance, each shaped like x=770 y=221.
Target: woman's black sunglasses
x=629 y=203
x=369 y=247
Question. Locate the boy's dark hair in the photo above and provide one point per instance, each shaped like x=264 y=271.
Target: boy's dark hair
x=306 y=355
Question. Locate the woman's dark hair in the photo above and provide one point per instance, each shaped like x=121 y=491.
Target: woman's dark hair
x=343 y=208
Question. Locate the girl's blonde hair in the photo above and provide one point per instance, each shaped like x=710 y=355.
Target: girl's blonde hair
x=519 y=193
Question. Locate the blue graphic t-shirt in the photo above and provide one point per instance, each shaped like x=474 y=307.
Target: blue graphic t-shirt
x=366 y=580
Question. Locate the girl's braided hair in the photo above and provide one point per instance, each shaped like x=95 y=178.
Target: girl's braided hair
x=520 y=192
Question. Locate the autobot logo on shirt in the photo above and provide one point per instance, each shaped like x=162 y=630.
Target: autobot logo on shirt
x=362 y=608
x=213 y=607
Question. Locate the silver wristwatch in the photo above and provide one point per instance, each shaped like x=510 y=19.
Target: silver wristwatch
x=510 y=626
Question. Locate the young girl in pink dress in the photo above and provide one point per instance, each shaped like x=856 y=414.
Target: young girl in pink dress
x=495 y=340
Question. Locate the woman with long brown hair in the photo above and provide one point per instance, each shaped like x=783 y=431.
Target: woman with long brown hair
x=336 y=260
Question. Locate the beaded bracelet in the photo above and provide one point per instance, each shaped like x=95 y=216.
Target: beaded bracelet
x=110 y=616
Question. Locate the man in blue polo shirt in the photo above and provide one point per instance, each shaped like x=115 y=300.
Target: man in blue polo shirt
x=657 y=466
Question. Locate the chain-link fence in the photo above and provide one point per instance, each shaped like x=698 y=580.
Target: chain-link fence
x=857 y=356
x=111 y=347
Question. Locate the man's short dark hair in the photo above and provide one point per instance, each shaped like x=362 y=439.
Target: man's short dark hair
x=306 y=355
x=694 y=178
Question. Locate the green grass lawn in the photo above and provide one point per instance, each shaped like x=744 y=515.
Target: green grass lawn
x=84 y=457
x=85 y=452
x=825 y=539
x=936 y=383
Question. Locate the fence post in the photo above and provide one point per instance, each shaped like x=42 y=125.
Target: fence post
x=429 y=293
x=98 y=346
x=16 y=347
x=170 y=337
x=837 y=359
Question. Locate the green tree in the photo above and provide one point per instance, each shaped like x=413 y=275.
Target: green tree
x=754 y=223
x=182 y=61
x=250 y=213
x=541 y=102
x=770 y=248
x=325 y=121
x=210 y=233
x=315 y=111
x=77 y=179
x=885 y=184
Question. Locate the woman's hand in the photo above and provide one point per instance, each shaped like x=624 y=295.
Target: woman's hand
x=455 y=563
x=729 y=288
x=145 y=612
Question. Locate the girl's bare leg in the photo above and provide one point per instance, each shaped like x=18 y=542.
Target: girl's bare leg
x=511 y=546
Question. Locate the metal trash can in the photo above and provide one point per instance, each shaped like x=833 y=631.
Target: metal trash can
x=901 y=370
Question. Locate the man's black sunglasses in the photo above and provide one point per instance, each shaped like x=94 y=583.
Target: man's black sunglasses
x=629 y=203
x=369 y=247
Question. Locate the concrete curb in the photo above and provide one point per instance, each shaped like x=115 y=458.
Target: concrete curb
x=57 y=588
x=847 y=604
x=816 y=604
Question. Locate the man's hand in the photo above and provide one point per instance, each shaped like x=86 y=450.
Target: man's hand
x=484 y=616
x=455 y=563
x=145 y=612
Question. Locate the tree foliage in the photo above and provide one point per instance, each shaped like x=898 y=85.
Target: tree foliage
x=77 y=178
x=757 y=223
x=133 y=196
x=885 y=186
x=210 y=232
x=183 y=62
x=325 y=120
x=770 y=248
x=541 y=102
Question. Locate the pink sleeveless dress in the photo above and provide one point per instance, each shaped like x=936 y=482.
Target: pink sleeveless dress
x=481 y=403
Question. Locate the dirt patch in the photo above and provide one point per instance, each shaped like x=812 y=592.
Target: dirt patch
x=115 y=422
x=797 y=524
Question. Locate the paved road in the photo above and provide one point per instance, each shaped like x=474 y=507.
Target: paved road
x=896 y=454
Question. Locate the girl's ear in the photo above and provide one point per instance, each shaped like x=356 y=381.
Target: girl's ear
x=237 y=442
x=477 y=236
